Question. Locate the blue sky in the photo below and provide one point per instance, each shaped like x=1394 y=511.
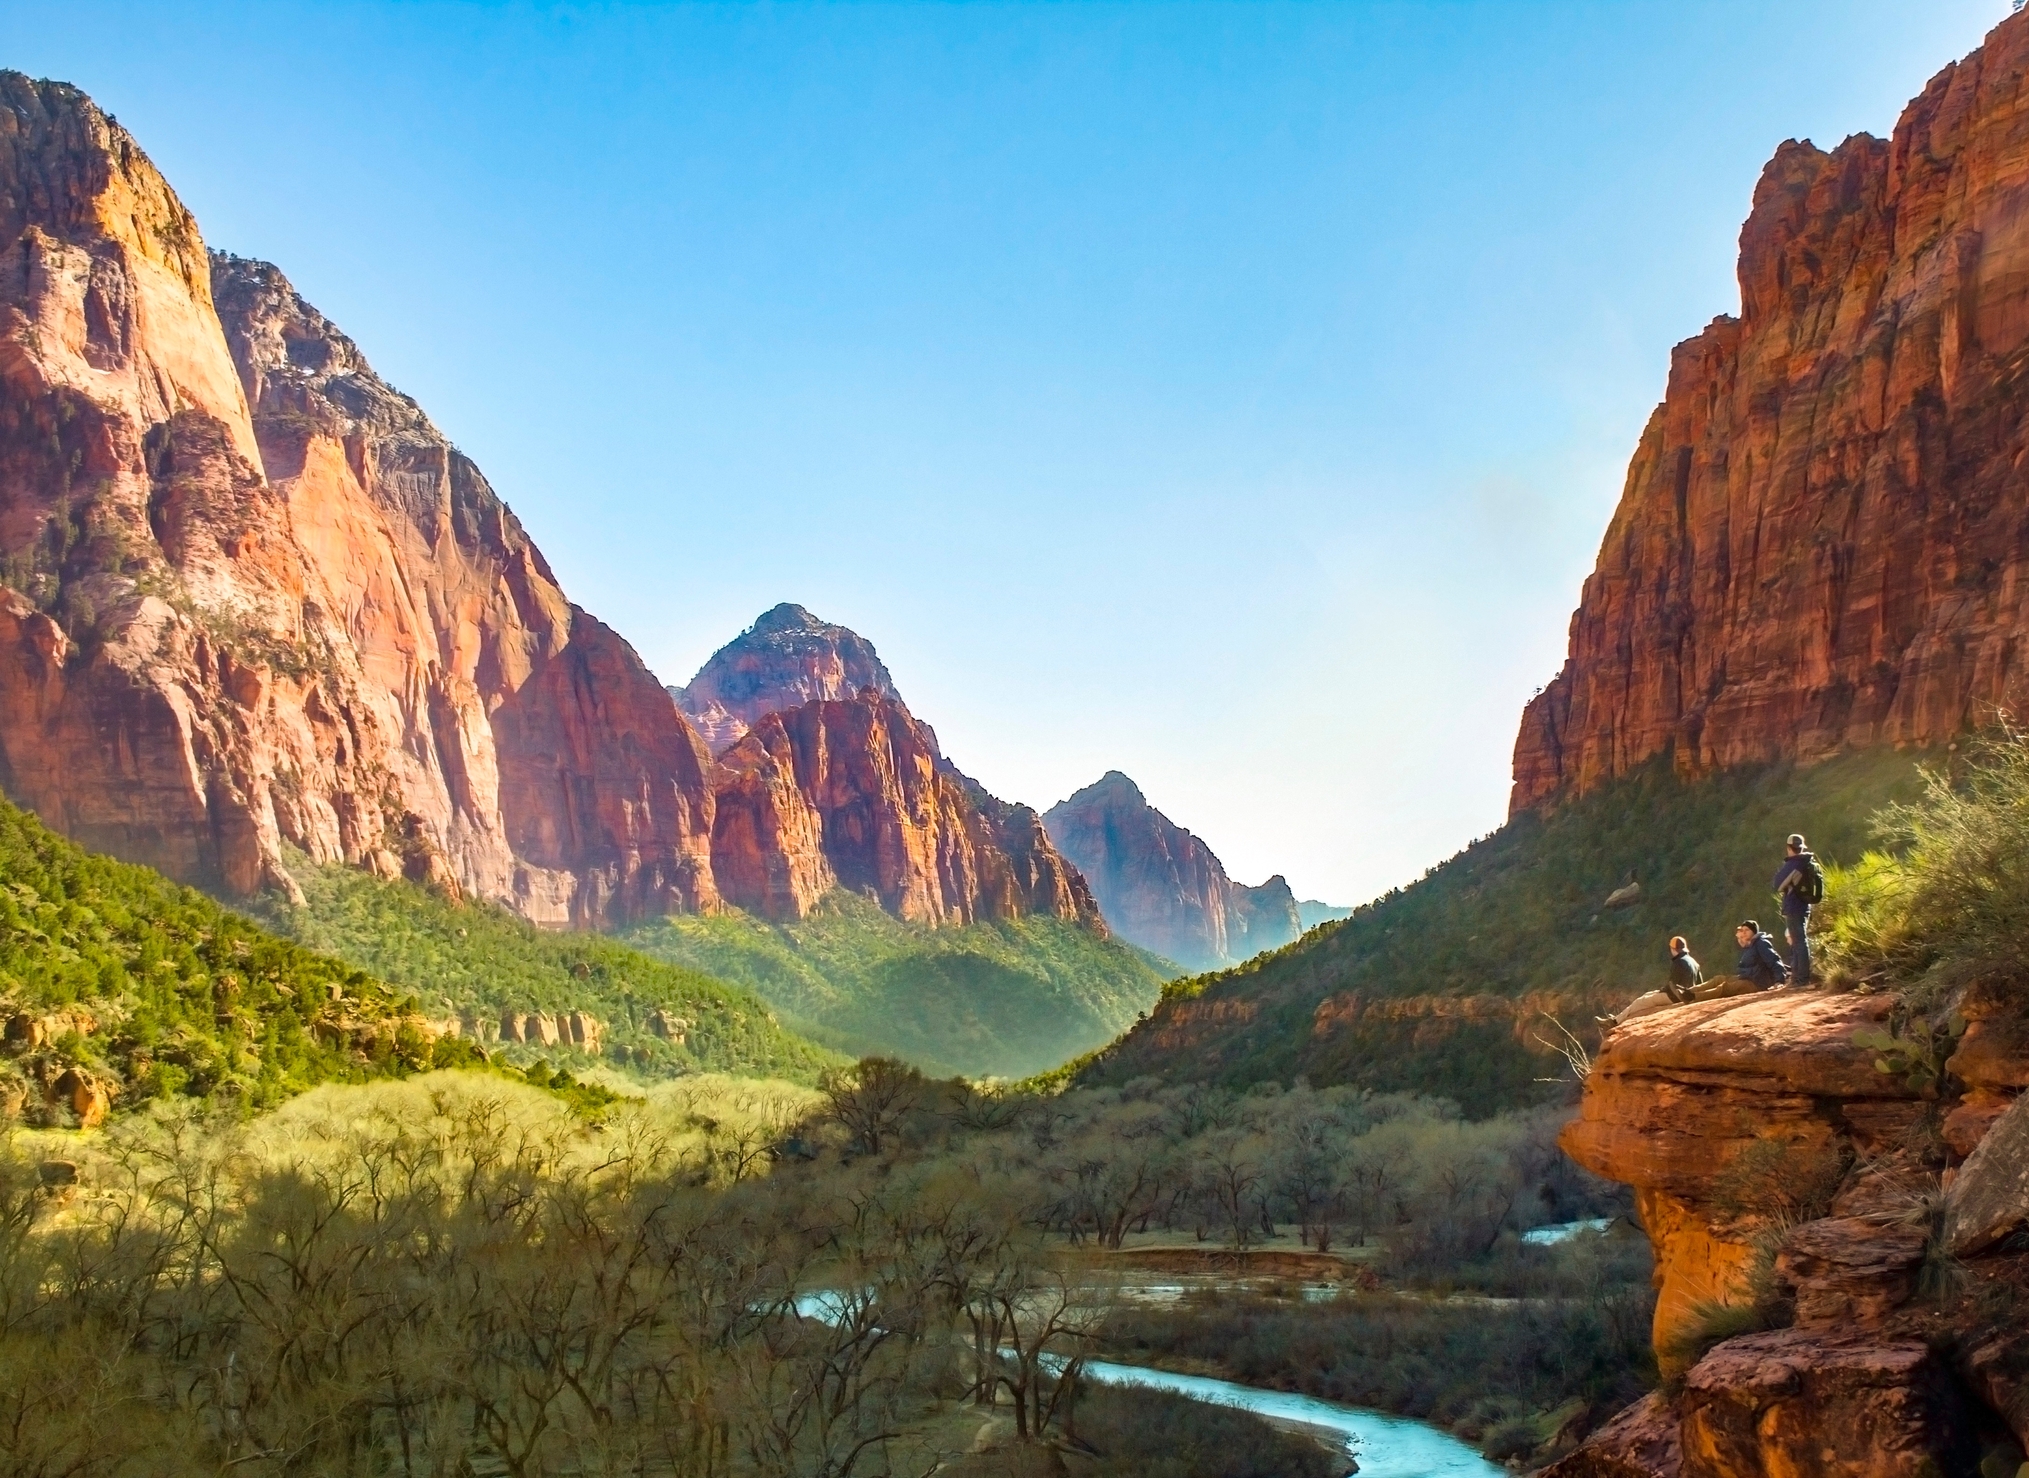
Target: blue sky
x=1233 y=395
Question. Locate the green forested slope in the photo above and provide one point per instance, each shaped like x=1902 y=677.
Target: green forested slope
x=1517 y=914
x=1002 y=999
x=154 y=989
x=462 y=957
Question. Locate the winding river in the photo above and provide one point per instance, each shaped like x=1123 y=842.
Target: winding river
x=1385 y=1446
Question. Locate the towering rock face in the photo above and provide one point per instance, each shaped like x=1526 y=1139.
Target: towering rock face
x=1161 y=887
x=852 y=792
x=248 y=594
x=1821 y=542
x=784 y=660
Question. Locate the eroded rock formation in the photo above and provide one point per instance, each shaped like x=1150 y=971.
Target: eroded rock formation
x=252 y=599
x=1776 y=1167
x=852 y=793
x=1163 y=888
x=1821 y=543
x=784 y=660
x=249 y=595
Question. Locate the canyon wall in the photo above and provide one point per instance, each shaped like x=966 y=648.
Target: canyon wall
x=1163 y=888
x=1821 y=542
x=251 y=599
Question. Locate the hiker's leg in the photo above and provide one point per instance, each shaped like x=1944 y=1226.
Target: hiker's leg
x=1800 y=950
x=1645 y=1004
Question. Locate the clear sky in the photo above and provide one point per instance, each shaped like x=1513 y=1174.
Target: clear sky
x=1232 y=394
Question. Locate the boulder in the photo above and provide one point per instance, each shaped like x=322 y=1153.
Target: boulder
x=1800 y=1403
x=1989 y=1197
x=1642 y=1442
x=83 y=1094
x=1851 y=1269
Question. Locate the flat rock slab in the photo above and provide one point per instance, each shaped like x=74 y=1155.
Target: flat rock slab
x=1989 y=1196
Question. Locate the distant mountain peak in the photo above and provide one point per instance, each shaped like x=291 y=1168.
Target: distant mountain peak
x=1162 y=888
x=787 y=658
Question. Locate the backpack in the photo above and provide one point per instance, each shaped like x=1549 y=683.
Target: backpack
x=1813 y=884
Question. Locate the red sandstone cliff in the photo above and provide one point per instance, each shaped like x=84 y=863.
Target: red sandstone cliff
x=1821 y=540
x=852 y=793
x=785 y=659
x=250 y=596
x=1162 y=887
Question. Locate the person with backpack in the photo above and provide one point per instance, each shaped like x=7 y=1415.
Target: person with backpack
x=1761 y=963
x=1799 y=887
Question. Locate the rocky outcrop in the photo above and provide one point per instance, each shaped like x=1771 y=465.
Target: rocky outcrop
x=852 y=793
x=1819 y=544
x=1161 y=887
x=784 y=660
x=1777 y=1168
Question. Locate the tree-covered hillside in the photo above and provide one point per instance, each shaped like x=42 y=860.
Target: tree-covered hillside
x=1439 y=987
x=985 y=1000
x=466 y=959
x=118 y=985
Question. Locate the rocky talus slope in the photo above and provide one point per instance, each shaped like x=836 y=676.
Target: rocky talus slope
x=784 y=660
x=1163 y=888
x=1820 y=540
x=1879 y=1231
x=251 y=598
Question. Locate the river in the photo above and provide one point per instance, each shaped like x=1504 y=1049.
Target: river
x=1385 y=1446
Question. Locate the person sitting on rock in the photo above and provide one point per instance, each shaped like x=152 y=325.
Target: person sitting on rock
x=1686 y=984
x=1761 y=963
x=1799 y=886
x=1685 y=976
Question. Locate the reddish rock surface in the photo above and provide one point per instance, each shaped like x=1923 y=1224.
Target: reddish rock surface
x=1819 y=541
x=852 y=793
x=784 y=660
x=251 y=598
x=1163 y=888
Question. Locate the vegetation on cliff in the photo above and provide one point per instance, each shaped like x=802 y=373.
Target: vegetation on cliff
x=1002 y=999
x=475 y=960
x=1440 y=984
x=143 y=988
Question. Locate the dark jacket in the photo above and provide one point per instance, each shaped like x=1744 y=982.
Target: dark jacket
x=1761 y=963
x=1790 y=880
x=1684 y=976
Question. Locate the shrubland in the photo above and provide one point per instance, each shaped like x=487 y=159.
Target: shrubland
x=456 y=1272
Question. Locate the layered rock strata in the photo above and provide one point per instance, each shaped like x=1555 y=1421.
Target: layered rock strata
x=1819 y=544
x=1776 y=1167
x=1163 y=888
x=784 y=660
x=852 y=793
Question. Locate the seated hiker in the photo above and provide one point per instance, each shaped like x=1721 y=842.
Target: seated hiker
x=1799 y=886
x=1685 y=976
x=1760 y=962
x=1686 y=984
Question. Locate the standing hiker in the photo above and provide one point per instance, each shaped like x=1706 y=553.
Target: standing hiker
x=1760 y=962
x=1799 y=886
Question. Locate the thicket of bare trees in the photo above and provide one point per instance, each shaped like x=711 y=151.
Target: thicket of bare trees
x=456 y=1275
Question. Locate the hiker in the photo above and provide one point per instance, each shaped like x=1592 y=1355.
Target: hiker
x=1799 y=886
x=1685 y=976
x=1760 y=962
x=1684 y=986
